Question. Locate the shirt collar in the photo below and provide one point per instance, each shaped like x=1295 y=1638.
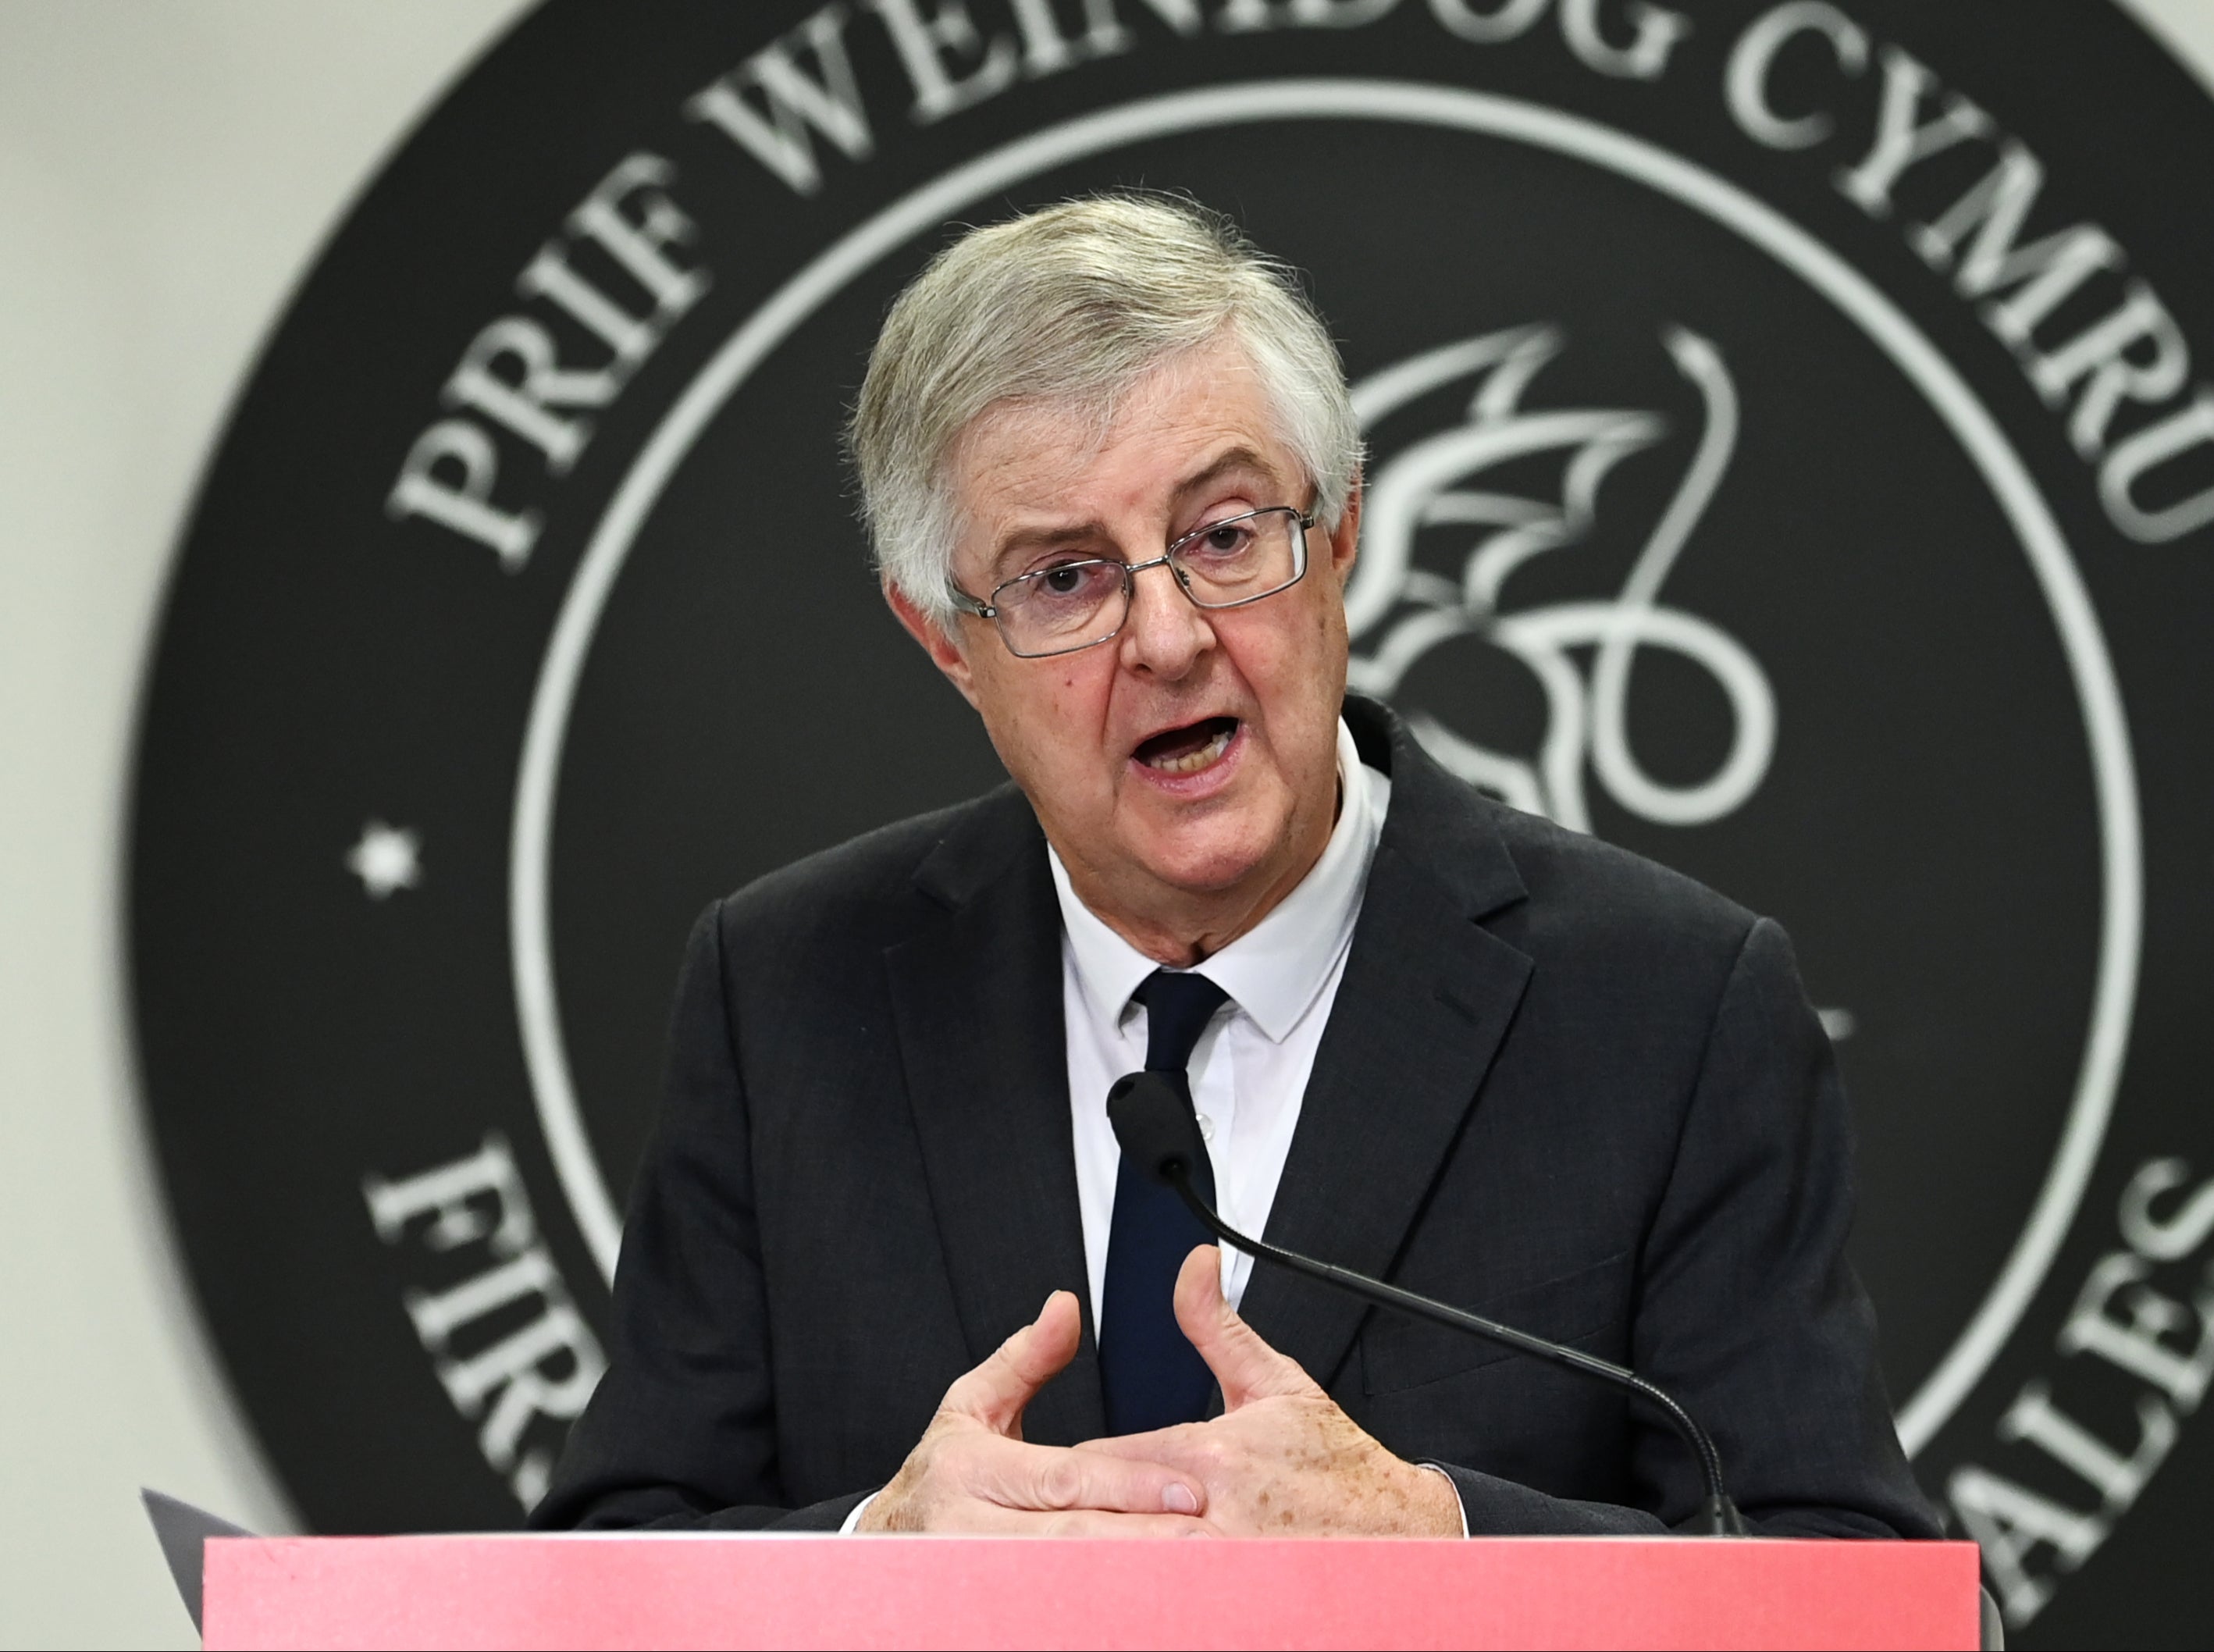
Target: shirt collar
x=1275 y=971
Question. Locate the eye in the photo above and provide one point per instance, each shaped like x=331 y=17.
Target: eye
x=1224 y=539
x=1074 y=581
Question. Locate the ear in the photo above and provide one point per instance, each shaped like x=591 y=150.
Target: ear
x=944 y=648
x=1345 y=538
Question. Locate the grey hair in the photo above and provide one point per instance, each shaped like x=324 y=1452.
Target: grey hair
x=1069 y=306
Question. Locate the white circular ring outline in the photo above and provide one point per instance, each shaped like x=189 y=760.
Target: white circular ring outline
x=1403 y=103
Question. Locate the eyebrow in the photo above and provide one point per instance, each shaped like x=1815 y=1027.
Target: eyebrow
x=1236 y=459
x=1033 y=539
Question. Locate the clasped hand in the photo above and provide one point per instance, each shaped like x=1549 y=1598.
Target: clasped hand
x=1281 y=1461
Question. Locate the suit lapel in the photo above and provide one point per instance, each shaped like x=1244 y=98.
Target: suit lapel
x=977 y=1001
x=1427 y=999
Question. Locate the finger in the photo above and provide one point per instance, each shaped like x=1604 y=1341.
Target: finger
x=991 y=1517
x=1054 y=1478
x=1186 y=1447
x=1093 y=1523
x=1247 y=1367
x=995 y=1393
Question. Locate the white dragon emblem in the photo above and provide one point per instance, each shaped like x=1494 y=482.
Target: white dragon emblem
x=1581 y=653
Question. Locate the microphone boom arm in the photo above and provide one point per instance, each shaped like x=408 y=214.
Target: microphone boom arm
x=1719 y=1516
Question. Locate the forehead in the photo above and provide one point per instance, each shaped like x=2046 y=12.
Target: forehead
x=1032 y=468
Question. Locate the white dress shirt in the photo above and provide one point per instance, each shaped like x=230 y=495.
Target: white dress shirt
x=1249 y=1070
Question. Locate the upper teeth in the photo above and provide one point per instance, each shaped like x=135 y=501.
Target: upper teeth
x=1192 y=762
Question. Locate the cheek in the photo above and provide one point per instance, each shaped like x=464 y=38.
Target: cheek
x=1053 y=718
x=1291 y=662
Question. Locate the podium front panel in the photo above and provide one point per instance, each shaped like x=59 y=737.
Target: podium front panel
x=723 y=1590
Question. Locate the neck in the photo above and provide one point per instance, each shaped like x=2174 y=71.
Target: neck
x=1181 y=928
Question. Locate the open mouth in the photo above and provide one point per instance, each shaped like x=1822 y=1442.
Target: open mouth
x=1189 y=749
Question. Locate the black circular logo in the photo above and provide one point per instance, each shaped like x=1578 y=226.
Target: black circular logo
x=1789 y=458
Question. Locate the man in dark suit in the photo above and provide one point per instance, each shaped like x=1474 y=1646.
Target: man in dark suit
x=1112 y=477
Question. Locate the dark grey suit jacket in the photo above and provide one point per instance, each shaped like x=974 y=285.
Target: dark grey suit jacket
x=1559 y=1085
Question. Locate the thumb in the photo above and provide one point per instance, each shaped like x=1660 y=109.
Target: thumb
x=1247 y=1367
x=995 y=1393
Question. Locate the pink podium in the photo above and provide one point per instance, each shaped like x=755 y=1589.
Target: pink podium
x=686 y=1590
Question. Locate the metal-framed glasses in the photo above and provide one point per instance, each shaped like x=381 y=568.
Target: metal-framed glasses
x=1081 y=602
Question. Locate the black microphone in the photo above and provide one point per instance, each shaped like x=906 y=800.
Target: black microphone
x=1154 y=1125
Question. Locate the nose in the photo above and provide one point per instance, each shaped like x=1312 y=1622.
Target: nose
x=1166 y=634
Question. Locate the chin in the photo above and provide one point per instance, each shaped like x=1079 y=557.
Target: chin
x=1207 y=862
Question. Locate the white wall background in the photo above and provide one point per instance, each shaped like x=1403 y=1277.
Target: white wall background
x=167 y=170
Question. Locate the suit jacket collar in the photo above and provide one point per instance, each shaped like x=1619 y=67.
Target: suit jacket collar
x=1427 y=999
x=976 y=1001
x=1435 y=821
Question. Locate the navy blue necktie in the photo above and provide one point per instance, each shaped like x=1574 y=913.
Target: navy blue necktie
x=1151 y=1376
